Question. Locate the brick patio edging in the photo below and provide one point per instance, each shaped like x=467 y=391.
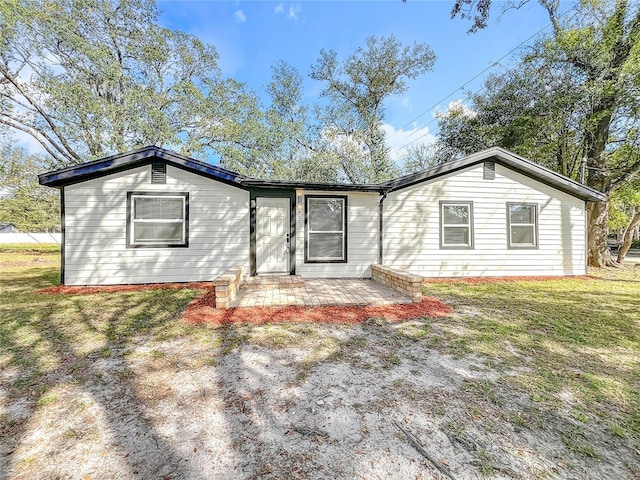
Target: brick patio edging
x=405 y=283
x=227 y=286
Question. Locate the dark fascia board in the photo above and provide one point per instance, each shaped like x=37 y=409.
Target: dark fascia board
x=142 y=156
x=507 y=159
x=311 y=185
x=134 y=158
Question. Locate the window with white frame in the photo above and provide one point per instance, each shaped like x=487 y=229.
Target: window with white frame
x=522 y=225
x=456 y=224
x=157 y=219
x=326 y=232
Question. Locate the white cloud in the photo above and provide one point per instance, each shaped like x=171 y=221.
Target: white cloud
x=456 y=107
x=239 y=16
x=26 y=141
x=397 y=140
x=406 y=103
x=294 y=10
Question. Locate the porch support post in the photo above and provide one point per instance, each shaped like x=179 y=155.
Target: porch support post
x=383 y=195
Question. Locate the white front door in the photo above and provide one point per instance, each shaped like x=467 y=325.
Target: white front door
x=272 y=235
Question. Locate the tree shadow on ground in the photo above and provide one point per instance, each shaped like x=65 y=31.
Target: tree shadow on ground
x=266 y=412
x=52 y=343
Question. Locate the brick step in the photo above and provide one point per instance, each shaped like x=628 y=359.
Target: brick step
x=272 y=281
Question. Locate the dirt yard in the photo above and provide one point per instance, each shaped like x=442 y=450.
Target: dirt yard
x=324 y=408
x=116 y=386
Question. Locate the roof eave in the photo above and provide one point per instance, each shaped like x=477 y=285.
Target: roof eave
x=505 y=158
x=114 y=163
x=273 y=184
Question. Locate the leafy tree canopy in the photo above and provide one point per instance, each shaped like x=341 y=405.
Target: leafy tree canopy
x=88 y=78
x=356 y=89
x=577 y=96
x=340 y=138
x=29 y=206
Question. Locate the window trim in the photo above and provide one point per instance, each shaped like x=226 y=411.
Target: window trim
x=307 y=229
x=471 y=244
x=528 y=246
x=130 y=220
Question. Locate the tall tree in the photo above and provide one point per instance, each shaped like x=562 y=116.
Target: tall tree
x=533 y=110
x=356 y=89
x=599 y=49
x=421 y=156
x=29 y=206
x=286 y=143
x=87 y=78
x=289 y=117
x=625 y=210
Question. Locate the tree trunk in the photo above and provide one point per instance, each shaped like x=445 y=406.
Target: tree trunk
x=598 y=219
x=628 y=235
x=598 y=177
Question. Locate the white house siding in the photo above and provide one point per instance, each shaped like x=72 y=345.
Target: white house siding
x=362 y=238
x=95 y=238
x=411 y=227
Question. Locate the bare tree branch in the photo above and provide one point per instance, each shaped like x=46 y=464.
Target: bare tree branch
x=34 y=134
x=6 y=74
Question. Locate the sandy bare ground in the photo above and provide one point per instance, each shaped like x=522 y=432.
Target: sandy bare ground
x=296 y=401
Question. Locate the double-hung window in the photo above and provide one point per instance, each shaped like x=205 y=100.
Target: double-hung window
x=326 y=229
x=157 y=219
x=456 y=224
x=522 y=225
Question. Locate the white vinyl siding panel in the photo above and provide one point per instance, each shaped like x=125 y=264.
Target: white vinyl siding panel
x=362 y=238
x=95 y=235
x=411 y=227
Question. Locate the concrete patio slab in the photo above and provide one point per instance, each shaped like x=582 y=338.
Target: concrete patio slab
x=277 y=291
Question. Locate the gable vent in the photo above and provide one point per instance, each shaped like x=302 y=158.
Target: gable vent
x=158 y=172
x=489 y=172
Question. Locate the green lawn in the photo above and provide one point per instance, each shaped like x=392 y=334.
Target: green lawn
x=567 y=338
x=565 y=355
x=43 y=333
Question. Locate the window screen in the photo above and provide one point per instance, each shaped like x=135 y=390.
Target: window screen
x=326 y=236
x=456 y=229
x=158 y=220
x=522 y=225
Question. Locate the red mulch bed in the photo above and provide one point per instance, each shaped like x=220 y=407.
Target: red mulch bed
x=202 y=310
x=479 y=280
x=86 y=290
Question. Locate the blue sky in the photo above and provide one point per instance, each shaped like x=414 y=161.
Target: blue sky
x=251 y=36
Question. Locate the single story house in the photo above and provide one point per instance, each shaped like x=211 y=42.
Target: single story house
x=151 y=215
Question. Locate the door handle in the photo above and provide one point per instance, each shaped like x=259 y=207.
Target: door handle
x=286 y=244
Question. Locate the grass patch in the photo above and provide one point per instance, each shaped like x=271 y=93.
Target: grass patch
x=573 y=342
x=20 y=255
x=46 y=400
x=41 y=333
x=29 y=248
x=617 y=430
x=572 y=346
x=413 y=330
